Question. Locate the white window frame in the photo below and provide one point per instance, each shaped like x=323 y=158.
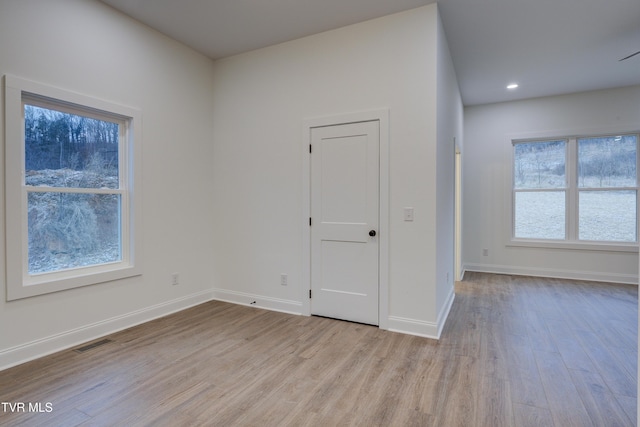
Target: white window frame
x=19 y=283
x=571 y=189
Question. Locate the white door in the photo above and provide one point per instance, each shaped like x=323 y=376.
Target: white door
x=344 y=210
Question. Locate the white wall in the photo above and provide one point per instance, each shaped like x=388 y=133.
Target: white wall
x=222 y=161
x=449 y=135
x=87 y=47
x=487 y=169
x=261 y=101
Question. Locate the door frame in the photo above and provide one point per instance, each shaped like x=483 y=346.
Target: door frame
x=457 y=207
x=382 y=116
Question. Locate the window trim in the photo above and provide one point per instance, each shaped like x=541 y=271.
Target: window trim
x=571 y=192
x=19 y=284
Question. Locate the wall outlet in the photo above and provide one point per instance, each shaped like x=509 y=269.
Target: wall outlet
x=175 y=279
x=283 y=279
x=485 y=252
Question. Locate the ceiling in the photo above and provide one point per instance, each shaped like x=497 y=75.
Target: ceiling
x=548 y=47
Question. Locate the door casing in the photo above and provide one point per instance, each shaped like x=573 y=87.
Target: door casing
x=382 y=116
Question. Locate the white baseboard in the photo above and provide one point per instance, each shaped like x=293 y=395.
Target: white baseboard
x=631 y=279
x=252 y=300
x=423 y=328
x=395 y=324
x=68 y=339
x=416 y=327
x=444 y=311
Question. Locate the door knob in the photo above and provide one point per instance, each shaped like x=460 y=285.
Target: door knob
x=372 y=233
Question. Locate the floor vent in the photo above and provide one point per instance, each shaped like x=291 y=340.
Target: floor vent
x=92 y=345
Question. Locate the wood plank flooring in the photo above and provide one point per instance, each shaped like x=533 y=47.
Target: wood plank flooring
x=516 y=351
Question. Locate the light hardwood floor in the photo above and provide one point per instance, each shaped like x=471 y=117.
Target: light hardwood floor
x=516 y=351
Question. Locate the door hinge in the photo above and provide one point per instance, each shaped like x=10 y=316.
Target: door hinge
x=310 y=148
x=309 y=293
x=309 y=221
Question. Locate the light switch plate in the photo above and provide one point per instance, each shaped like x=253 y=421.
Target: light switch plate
x=408 y=214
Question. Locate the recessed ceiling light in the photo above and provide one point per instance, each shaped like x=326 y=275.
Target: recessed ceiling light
x=512 y=86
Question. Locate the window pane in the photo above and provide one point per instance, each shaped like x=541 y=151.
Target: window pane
x=67 y=150
x=68 y=230
x=607 y=161
x=540 y=215
x=607 y=216
x=539 y=165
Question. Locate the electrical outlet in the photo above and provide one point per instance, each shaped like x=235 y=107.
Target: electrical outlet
x=283 y=279
x=175 y=279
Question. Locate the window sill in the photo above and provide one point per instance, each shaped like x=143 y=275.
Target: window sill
x=578 y=246
x=55 y=282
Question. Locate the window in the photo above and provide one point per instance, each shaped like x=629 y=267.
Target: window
x=71 y=163
x=539 y=185
x=607 y=188
x=577 y=190
x=73 y=188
